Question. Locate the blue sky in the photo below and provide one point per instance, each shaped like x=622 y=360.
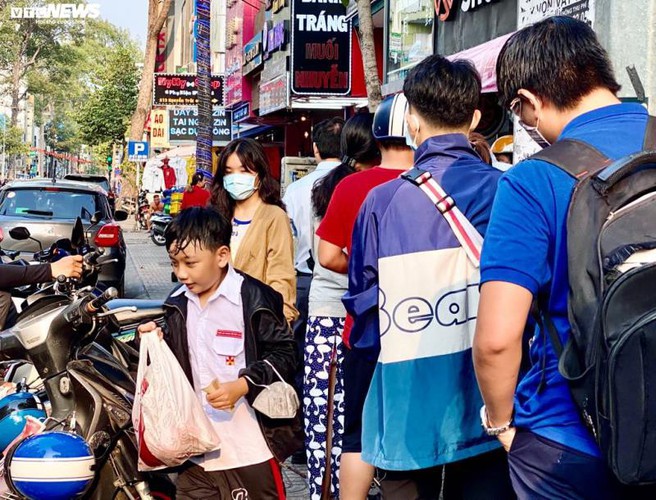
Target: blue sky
x=128 y=14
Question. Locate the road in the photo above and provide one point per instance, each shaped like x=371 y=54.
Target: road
x=148 y=276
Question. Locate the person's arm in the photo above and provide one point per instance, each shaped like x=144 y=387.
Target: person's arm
x=502 y=314
x=12 y=275
x=361 y=299
x=280 y=272
x=333 y=257
x=514 y=266
x=332 y=233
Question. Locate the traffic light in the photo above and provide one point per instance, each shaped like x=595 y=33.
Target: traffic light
x=109 y=163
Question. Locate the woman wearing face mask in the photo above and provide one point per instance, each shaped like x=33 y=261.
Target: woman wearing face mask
x=247 y=194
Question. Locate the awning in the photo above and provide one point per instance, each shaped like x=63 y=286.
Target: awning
x=249 y=131
x=484 y=57
x=180 y=151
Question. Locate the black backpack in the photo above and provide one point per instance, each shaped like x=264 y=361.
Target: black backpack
x=610 y=358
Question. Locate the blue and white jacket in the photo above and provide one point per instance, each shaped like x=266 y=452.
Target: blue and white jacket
x=413 y=295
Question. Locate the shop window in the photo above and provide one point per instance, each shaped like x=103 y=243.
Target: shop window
x=409 y=35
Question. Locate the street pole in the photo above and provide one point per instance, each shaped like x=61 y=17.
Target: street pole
x=204 y=63
x=4 y=147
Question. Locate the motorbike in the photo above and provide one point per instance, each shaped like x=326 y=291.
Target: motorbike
x=142 y=210
x=158 y=225
x=88 y=377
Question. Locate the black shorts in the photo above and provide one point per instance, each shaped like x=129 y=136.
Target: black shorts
x=541 y=468
x=483 y=477
x=358 y=370
x=260 y=481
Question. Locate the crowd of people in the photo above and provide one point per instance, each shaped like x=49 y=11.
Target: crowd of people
x=360 y=289
x=377 y=257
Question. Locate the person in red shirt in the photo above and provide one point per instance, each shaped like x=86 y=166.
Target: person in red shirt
x=335 y=234
x=195 y=195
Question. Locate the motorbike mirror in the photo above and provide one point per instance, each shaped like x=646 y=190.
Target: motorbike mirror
x=20 y=233
x=77 y=236
x=64 y=244
x=120 y=215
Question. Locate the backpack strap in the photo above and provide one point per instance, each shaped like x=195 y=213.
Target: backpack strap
x=650 y=135
x=469 y=238
x=575 y=157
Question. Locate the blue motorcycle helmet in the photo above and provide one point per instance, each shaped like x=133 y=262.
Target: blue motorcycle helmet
x=50 y=466
x=389 y=119
x=13 y=411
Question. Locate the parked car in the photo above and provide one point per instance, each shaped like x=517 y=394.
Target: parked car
x=48 y=210
x=101 y=180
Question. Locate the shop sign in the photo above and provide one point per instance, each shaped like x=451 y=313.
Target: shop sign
x=241 y=112
x=395 y=42
x=159 y=129
x=321 y=48
x=171 y=89
x=233 y=93
x=274 y=67
x=253 y=54
x=532 y=11
x=183 y=125
x=273 y=95
x=274 y=38
x=445 y=9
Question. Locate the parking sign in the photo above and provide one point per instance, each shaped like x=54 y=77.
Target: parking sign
x=137 y=151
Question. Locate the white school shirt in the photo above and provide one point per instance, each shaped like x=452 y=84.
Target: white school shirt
x=298 y=201
x=215 y=336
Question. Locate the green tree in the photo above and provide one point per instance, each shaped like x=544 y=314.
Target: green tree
x=106 y=114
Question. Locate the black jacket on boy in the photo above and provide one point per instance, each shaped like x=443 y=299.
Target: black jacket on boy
x=266 y=336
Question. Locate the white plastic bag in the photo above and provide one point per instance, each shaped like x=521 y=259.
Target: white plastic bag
x=169 y=421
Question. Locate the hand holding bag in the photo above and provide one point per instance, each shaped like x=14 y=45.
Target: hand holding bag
x=169 y=420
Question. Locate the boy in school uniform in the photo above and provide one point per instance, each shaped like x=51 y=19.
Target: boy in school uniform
x=230 y=336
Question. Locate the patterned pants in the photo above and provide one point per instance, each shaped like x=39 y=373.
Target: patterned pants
x=322 y=333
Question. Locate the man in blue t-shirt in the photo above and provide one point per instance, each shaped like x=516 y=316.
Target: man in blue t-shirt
x=557 y=79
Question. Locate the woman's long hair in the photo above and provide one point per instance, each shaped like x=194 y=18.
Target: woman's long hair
x=195 y=179
x=252 y=157
x=357 y=145
x=481 y=146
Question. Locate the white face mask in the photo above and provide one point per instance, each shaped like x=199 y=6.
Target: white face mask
x=278 y=400
x=409 y=140
x=533 y=132
x=239 y=186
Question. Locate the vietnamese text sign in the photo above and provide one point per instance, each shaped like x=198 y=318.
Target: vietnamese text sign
x=532 y=11
x=321 y=48
x=159 y=129
x=183 y=125
x=253 y=54
x=273 y=95
x=181 y=90
x=241 y=112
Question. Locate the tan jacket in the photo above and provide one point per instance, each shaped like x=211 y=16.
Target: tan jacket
x=267 y=253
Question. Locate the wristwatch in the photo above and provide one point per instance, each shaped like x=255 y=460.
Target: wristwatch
x=493 y=431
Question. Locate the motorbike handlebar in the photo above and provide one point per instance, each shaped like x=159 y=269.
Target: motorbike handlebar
x=110 y=294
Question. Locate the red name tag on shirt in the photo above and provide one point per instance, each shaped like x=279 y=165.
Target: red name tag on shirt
x=231 y=334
